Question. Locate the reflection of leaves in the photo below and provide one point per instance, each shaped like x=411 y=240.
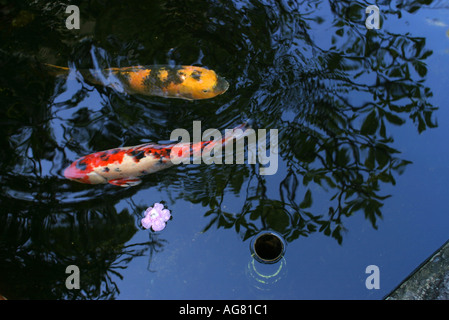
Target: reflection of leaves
x=333 y=108
x=307 y=202
x=45 y=243
x=332 y=142
x=370 y=124
x=289 y=185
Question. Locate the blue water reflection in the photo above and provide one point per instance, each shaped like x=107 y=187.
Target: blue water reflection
x=361 y=177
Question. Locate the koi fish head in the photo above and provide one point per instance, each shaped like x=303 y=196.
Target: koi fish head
x=80 y=172
x=200 y=83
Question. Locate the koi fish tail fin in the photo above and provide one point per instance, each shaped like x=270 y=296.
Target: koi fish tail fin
x=108 y=77
x=90 y=75
x=56 y=70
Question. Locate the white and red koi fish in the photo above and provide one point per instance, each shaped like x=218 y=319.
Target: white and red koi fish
x=125 y=166
x=182 y=82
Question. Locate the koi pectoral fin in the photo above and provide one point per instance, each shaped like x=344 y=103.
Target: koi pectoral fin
x=125 y=182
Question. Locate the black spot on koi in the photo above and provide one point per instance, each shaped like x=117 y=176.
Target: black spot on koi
x=104 y=156
x=196 y=75
x=81 y=165
x=137 y=154
x=173 y=77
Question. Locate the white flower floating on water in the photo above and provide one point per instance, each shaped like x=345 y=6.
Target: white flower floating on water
x=156 y=217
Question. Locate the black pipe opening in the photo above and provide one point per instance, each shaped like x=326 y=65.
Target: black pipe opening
x=268 y=247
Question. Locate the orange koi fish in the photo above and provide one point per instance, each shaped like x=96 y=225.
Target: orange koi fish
x=183 y=82
x=125 y=166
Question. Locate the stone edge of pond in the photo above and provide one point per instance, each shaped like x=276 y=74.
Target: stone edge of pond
x=430 y=281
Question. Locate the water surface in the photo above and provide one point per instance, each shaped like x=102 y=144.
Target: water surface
x=361 y=123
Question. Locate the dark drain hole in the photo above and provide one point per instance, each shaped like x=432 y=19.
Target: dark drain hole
x=268 y=247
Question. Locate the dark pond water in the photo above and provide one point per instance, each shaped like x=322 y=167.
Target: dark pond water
x=362 y=150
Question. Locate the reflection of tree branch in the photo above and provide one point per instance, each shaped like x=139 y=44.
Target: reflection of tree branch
x=155 y=245
x=91 y=239
x=333 y=128
x=324 y=142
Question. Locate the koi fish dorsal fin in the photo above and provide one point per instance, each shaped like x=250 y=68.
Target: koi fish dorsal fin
x=125 y=182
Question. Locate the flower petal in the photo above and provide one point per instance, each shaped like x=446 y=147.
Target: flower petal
x=158 y=225
x=165 y=214
x=158 y=206
x=146 y=222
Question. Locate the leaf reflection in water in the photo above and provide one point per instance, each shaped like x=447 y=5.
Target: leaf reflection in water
x=333 y=89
